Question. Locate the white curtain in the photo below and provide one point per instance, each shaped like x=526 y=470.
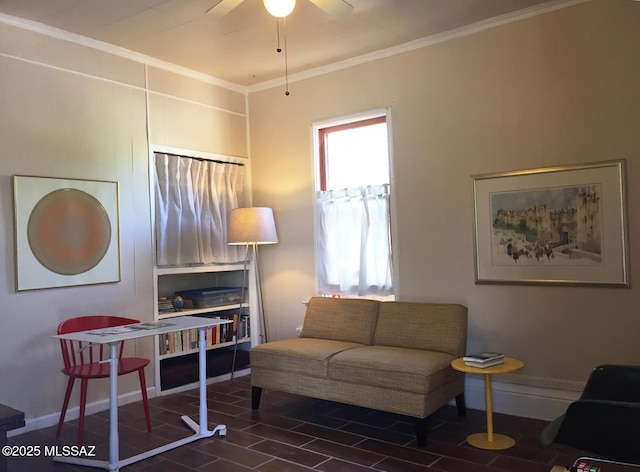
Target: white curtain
x=355 y=241
x=193 y=200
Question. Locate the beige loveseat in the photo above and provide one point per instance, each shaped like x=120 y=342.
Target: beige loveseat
x=389 y=356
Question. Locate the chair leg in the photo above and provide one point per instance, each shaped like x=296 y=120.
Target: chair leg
x=256 y=393
x=145 y=401
x=83 y=404
x=461 y=404
x=65 y=404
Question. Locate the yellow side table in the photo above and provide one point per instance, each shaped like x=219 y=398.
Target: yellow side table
x=489 y=440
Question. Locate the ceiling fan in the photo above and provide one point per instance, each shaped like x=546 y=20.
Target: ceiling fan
x=281 y=8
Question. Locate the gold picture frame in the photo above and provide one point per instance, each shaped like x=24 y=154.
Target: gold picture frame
x=67 y=232
x=563 y=225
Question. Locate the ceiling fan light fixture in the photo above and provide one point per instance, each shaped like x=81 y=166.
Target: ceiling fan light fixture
x=279 y=8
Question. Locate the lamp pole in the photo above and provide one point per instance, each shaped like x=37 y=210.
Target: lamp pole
x=252 y=227
x=243 y=290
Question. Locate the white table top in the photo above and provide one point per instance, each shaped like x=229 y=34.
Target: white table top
x=141 y=330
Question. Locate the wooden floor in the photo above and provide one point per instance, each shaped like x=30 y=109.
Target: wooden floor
x=292 y=433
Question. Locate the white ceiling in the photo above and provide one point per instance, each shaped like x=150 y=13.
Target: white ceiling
x=241 y=46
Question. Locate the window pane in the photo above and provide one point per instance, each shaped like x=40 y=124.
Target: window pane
x=354 y=239
x=357 y=157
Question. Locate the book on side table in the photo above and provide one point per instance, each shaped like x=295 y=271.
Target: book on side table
x=483 y=359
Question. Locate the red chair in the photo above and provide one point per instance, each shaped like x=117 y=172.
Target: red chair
x=81 y=361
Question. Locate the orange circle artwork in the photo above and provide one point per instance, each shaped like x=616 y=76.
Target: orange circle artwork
x=69 y=231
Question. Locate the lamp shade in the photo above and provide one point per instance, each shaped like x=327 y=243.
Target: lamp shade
x=254 y=225
x=279 y=8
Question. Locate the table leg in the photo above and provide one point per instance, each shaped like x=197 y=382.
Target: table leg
x=202 y=365
x=490 y=440
x=201 y=429
x=489 y=406
x=114 y=441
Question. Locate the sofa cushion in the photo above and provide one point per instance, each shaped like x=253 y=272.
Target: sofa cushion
x=394 y=368
x=341 y=319
x=306 y=355
x=428 y=326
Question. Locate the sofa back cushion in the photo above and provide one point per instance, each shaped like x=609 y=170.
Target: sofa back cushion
x=428 y=326
x=341 y=319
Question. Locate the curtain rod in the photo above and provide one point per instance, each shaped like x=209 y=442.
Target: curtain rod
x=202 y=159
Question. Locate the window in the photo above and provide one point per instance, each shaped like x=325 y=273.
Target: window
x=354 y=154
x=354 y=256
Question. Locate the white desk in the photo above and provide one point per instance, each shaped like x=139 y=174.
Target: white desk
x=200 y=429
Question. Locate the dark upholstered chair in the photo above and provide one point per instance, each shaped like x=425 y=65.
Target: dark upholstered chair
x=605 y=421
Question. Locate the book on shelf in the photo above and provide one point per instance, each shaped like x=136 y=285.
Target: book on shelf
x=165 y=304
x=187 y=340
x=484 y=359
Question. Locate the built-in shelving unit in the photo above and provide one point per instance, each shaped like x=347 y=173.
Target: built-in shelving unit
x=177 y=353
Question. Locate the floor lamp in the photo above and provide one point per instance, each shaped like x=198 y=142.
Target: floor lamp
x=252 y=227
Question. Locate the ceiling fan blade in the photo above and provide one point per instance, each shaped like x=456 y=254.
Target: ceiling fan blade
x=337 y=8
x=223 y=7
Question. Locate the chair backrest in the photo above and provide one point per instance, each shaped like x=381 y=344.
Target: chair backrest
x=613 y=382
x=604 y=421
x=78 y=353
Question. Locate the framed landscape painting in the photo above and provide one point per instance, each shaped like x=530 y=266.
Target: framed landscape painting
x=66 y=232
x=556 y=225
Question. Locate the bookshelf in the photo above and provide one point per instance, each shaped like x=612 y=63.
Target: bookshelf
x=176 y=354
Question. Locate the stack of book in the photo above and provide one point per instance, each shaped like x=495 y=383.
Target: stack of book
x=483 y=359
x=165 y=304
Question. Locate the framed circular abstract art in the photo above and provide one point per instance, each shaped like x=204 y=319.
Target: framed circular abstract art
x=66 y=232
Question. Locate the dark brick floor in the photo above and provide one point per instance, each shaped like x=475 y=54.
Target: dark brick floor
x=295 y=434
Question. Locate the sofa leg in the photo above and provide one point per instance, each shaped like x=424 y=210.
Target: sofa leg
x=421 y=432
x=461 y=404
x=256 y=393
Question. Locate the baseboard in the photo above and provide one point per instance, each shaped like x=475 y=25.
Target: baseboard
x=32 y=424
x=529 y=397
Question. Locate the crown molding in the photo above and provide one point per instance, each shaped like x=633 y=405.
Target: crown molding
x=420 y=43
x=58 y=33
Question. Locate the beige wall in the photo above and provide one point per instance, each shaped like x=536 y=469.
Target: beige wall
x=560 y=88
x=75 y=112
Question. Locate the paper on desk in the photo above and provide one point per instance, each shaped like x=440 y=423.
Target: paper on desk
x=128 y=328
x=150 y=325
x=112 y=330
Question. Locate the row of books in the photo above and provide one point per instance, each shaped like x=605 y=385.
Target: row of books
x=483 y=359
x=187 y=340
